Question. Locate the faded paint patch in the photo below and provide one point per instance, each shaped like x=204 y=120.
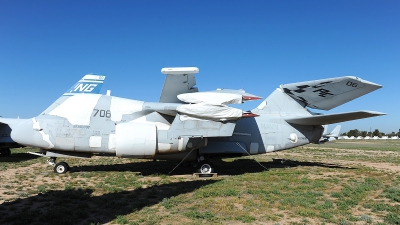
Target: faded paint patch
x=270 y=148
x=95 y=141
x=36 y=125
x=45 y=137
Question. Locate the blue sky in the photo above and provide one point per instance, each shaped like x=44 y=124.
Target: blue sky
x=46 y=46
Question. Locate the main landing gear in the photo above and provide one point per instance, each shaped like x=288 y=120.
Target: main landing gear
x=5 y=152
x=204 y=166
x=60 y=168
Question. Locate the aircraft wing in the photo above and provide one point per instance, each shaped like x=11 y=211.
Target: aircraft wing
x=332 y=118
x=329 y=93
x=178 y=81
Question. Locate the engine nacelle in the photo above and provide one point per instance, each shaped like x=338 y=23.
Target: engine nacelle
x=143 y=141
x=136 y=140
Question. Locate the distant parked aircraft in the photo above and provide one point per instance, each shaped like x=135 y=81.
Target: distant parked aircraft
x=333 y=135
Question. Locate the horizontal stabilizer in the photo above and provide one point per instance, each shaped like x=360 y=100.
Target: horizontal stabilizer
x=332 y=118
x=329 y=93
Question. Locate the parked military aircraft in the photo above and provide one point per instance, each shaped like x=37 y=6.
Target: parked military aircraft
x=5 y=140
x=333 y=135
x=185 y=124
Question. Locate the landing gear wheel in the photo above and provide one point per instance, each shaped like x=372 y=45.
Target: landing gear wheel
x=205 y=167
x=61 y=168
x=5 y=152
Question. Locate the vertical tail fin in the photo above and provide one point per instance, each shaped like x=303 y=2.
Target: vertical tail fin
x=89 y=84
x=325 y=130
x=179 y=80
x=335 y=132
x=280 y=104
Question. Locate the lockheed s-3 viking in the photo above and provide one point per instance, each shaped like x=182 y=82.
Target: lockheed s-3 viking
x=185 y=124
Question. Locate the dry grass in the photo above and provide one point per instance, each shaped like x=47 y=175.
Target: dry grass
x=335 y=183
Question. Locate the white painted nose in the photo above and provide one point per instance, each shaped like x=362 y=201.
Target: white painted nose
x=25 y=134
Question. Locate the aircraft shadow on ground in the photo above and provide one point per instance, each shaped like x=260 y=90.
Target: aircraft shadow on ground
x=17 y=157
x=79 y=206
x=241 y=166
x=236 y=167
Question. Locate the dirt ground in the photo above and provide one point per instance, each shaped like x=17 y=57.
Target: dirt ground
x=31 y=181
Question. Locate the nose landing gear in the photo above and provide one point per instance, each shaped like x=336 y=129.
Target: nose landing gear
x=60 y=168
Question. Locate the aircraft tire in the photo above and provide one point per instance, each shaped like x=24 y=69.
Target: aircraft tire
x=61 y=168
x=205 y=167
x=5 y=152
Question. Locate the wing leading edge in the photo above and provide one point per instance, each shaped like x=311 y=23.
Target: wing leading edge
x=332 y=118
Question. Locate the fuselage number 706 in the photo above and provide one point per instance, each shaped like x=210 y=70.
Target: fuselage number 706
x=102 y=113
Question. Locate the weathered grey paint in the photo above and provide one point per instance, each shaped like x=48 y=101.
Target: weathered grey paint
x=283 y=123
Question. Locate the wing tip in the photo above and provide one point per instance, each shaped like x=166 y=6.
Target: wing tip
x=365 y=81
x=376 y=113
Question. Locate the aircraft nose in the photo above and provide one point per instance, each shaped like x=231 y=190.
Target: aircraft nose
x=25 y=134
